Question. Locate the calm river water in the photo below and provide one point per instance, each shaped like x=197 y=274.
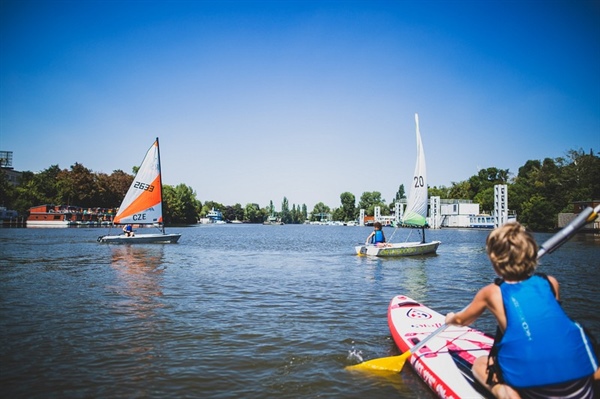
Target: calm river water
x=234 y=311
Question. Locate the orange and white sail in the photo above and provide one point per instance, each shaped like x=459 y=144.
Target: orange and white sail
x=143 y=202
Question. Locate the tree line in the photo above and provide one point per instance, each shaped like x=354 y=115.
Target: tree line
x=537 y=193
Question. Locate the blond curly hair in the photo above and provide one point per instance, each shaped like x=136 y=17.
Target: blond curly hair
x=512 y=251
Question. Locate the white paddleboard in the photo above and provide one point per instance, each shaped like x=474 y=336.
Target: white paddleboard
x=445 y=362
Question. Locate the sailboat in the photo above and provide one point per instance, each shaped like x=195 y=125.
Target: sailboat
x=142 y=204
x=414 y=216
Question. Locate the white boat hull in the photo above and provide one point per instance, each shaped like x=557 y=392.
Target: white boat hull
x=140 y=239
x=399 y=249
x=50 y=223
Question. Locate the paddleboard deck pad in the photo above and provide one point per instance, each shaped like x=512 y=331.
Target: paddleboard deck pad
x=445 y=362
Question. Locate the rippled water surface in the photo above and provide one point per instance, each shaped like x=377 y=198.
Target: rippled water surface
x=234 y=311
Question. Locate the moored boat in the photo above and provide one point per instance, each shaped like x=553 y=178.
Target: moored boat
x=51 y=216
x=481 y=221
x=67 y=216
x=273 y=221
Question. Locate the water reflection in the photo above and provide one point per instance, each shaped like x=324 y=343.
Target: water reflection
x=139 y=273
x=133 y=343
x=415 y=278
x=411 y=270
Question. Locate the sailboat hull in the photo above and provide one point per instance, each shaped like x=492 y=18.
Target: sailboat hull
x=140 y=239
x=399 y=249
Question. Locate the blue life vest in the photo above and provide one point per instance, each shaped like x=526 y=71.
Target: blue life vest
x=541 y=345
x=378 y=237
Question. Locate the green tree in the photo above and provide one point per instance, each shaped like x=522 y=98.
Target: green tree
x=523 y=187
x=320 y=212
x=76 y=186
x=47 y=184
x=235 y=212
x=460 y=190
x=485 y=198
x=253 y=214
x=441 y=191
x=580 y=175
x=271 y=209
x=112 y=188
x=348 y=209
x=286 y=216
x=304 y=212
x=180 y=205
x=400 y=194
x=338 y=214
x=536 y=189
x=28 y=193
x=485 y=179
x=297 y=214
x=7 y=191
x=369 y=200
x=536 y=214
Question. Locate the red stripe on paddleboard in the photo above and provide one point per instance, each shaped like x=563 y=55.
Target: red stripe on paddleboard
x=461 y=352
x=433 y=380
x=481 y=345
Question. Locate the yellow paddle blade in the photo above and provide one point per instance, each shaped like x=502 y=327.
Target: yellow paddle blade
x=391 y=363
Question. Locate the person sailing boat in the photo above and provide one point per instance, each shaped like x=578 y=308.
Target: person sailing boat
x=128 y=230
x=376 y=237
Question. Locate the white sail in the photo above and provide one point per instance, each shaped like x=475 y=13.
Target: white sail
x=143 y=202
x=416 y=208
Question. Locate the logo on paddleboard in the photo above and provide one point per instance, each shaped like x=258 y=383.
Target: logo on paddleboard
x=418 y=314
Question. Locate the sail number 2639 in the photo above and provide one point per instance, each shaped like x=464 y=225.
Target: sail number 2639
x=144 y=186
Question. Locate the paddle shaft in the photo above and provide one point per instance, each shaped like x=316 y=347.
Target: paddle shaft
x=420 y=344
x=586 y=216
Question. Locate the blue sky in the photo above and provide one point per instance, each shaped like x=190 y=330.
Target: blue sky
x=256 y=101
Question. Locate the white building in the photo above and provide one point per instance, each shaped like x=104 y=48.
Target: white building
x=458 y=214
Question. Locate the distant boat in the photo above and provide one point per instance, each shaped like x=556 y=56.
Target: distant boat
x=481 y=221
x=414 y=216
x=273 y=221
x=214 y=216
x=51 y=216
x=66 y=216
x=7 y=214
x=142 y=204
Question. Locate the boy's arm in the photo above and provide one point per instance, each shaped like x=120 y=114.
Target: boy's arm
x=555 y=285
x=473 y=310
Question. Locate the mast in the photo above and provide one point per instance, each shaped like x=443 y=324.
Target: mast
x=161 y=186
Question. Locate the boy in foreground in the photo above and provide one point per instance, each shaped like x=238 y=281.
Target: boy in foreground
x=539 y=351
